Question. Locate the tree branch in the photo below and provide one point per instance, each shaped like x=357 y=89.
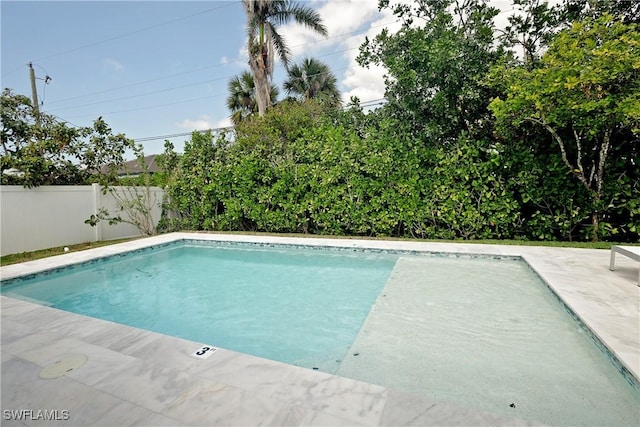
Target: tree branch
x=579 y=148
x=578 y=172
x=604 y=149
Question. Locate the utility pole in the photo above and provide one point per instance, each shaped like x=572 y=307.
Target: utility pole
x=34 y=93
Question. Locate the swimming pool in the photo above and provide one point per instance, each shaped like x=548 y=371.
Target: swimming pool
x=299 y=306
x=387 y=348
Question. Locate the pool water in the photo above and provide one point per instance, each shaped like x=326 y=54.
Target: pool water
x=303 y=307
x=480 y=332
x=493 y=336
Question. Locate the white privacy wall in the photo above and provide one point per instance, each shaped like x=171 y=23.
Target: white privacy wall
x=50 y=216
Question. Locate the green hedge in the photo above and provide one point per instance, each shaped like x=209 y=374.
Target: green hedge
x=301 y=170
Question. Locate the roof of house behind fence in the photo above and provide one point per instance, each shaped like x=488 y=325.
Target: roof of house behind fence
x=132 y=167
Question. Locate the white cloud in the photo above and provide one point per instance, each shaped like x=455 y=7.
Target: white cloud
x=343 y=17
x=224 y=123
x=243 y=55
x=340 y=17
x=343 y=20
x=366 y=83
x=110 y=64
x=201 y=123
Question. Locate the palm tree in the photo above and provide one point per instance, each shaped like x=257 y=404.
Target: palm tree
x=242 y=97
x=313 y=79
x=264 y=42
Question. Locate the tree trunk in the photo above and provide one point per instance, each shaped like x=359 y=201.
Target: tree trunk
x=262 y=85
x=595 y=222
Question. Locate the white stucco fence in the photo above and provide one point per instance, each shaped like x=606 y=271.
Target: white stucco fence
x=50 y=216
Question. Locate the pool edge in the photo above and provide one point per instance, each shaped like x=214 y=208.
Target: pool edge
x=554 y=266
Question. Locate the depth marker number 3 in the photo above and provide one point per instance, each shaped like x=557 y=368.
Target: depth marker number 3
x=204 y=352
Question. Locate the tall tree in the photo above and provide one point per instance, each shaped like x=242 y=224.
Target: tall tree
x=242 y=100
x=585 y=94
x=434 y=80
x=531 y=29
x=313 y=79
x=264 y=41
x=49 y=152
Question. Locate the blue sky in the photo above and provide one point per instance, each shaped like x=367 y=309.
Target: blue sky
x=155 y=68
x=158 y=68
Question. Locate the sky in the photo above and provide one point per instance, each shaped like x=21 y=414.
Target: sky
x=152 y=69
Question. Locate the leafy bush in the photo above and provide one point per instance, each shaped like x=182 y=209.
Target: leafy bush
x=301 y=169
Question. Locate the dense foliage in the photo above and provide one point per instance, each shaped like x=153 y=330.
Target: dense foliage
x=529 y=133
x=312 y=79
x=476 y=140
x=242 y=100
x=435 y=73
x=38 y=149
x=304 y=170
x=585 y=94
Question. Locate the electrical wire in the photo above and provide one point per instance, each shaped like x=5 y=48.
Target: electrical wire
x=64 y=121
x=133 y=32
x=44 y=93
x=153 y=106
x=13 y=71
x=237 y=61
x=176 y=135
x=120 y=36
x=171 y=88
x=343 y=35
x=45 y=82
x=161 y=90
x=142 y=94
x=365 y=104
x=136 y=84
x=168 y=104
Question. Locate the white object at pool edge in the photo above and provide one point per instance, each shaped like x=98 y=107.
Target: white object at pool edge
x=632 y=252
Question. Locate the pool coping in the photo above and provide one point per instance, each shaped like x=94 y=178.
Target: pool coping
x=606 y=301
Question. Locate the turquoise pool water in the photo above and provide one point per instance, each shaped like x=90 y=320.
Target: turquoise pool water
x=480 y=332
x=300 y=306
x=492 y=335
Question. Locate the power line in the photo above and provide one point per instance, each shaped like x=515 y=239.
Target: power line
x=136 y=84
x=174 y=87
x=186 y=72
x=369 y=103
x=13 y=71
x=64 y=121
x=372 y=102
x=161 y=90
x=160 y=105
x=345 y=34
x=134 y=32
x=237 y=61
x=171 y=103
x=153 y=106
x=175 y=135
x=142 y=94
x=120 y=36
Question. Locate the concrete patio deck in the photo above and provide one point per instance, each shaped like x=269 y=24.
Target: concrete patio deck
x=137 y=377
